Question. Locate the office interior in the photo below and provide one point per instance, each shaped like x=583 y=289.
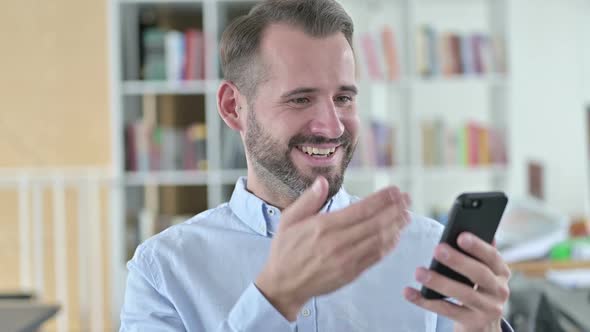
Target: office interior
x=110 y=138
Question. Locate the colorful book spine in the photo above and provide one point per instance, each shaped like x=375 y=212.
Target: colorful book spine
x=390 y=53
x=467 y=63
x=422 y=67
x=470 y=145
x=484 y=146
x=371 y=57
x=154 y=49
x=383 y=143
x=433 y=51
x=175 y=54
x=472 y=131
x=462 y=146
x=449 y=54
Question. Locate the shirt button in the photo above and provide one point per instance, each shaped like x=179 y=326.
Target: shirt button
x=306 y=312
x=271 y=212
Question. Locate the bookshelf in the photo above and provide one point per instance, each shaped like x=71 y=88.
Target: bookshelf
x=397 y=106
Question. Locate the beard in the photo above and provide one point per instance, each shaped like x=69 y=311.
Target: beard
x=272 y=162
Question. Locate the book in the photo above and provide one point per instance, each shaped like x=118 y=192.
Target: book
x=472 y=142
x=497 y=146
x=372 y=61
x=455 y=54
x=439 y=142
x=190 y=58
x=428 y=143
x=477 y=50
x=382 y=143
x=448 y=53
x=484 y=146
x=461 y=146
x=194 y=59
x=154 y=50
x=174 y=55
x=451 y=146
x=196 y=151
x=390 y=53
x=432 y=50
x=467 y=63
x=422 y=67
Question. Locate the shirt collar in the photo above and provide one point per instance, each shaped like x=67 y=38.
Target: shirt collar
x=263 y=218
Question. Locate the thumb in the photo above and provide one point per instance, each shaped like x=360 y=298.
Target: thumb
x=308 y=204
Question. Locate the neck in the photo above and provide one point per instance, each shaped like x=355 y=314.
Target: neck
x=267 y=192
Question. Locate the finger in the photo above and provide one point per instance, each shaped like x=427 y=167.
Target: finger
x=308 y=204
x=454 y=312
x=485 y=252
x=355 y=266
x=367 y=252
x=386 y=226
x=467 y=295
x=473 y=269
x=369 y=206
x=407 y=199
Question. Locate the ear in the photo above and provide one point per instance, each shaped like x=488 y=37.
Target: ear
x=228 y=103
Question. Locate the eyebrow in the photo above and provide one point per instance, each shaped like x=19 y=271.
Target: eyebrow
x=288 y=94
x=349 y=88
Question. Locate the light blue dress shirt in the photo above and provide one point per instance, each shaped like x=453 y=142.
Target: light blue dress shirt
x=198 y=276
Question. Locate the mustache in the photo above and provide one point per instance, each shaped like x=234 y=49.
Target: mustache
x=344 y=140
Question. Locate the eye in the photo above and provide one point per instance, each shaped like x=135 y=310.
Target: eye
x=300 y=100
x=343 y=100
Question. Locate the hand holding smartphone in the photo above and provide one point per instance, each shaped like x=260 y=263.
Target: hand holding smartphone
x=477 y=213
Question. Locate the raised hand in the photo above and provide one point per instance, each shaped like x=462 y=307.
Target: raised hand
x=314 y=254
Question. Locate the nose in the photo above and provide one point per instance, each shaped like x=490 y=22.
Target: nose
x=326 y=121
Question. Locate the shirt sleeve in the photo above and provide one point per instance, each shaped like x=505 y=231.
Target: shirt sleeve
x=253 y=313
x=443 y=324
x=144 y=308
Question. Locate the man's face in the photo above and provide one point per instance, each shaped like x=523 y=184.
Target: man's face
x=303 y=121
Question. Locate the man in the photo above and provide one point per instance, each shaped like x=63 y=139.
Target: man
x=292 y=250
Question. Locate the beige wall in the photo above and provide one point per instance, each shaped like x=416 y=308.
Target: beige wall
x=54 y=111
x=53 y=83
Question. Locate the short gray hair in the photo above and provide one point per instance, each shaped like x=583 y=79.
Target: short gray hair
x=240 y=42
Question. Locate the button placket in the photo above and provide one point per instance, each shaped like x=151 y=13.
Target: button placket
x=305 y=312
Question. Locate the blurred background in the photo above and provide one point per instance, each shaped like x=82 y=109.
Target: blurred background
x=110 y=134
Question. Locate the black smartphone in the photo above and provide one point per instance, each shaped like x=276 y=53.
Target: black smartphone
x=477 y=213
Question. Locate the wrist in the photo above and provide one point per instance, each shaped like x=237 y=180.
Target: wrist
x=282 y=300
x=494 y=327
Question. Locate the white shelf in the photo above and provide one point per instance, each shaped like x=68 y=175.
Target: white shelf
x=494 y=79
x=449 y=172
x=172 y=2
x=230 y=176
x=183 y=178
x=169 y=87
x=418 y=82
x=362 y=174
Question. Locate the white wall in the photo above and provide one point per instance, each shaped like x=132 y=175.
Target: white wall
x=548 y=43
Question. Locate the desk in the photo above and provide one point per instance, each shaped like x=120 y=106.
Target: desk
x=24 y=316
x=538 y=268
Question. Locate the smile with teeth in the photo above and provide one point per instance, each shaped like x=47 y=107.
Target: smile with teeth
x=317 y=152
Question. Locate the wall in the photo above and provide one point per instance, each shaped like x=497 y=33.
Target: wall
x=54 y=107
x=548 y=122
